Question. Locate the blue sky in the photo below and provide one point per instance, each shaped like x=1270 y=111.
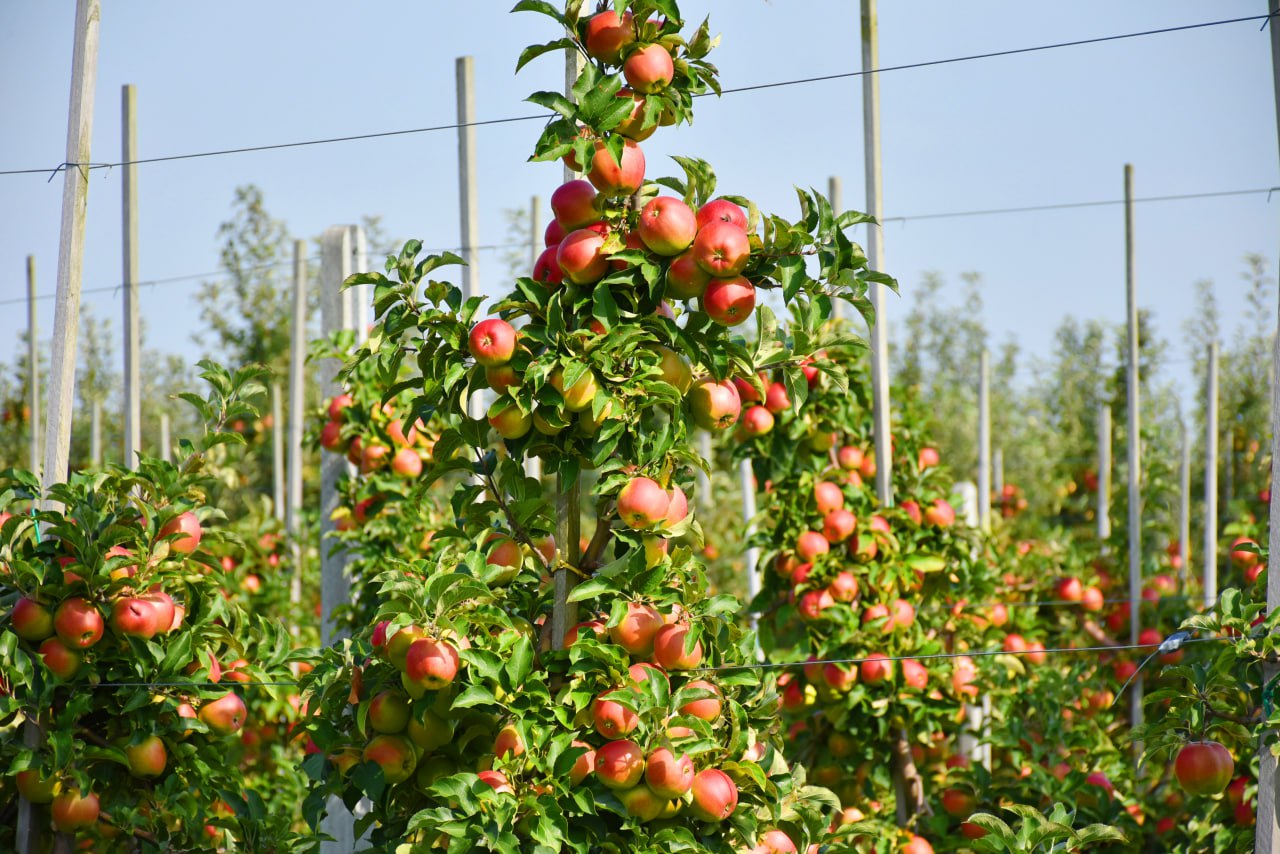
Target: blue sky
x=1193 y=111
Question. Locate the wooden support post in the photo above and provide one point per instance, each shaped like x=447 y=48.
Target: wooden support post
x=1135 y=450
x=66 y=318
x=95 y=433
x=33 y=371
x=166 y=450
x=1104 y=474
x=1210 y=578
x=277 y=454
x=984 y=442
x=132 y=324
x=297 y=397
x=1184 y=512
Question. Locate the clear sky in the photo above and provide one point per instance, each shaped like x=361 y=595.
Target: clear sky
x=1193 y=111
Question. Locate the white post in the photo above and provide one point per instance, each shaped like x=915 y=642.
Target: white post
x=833 y=196
x=532 y=464
x=361 y=295
x=132 y=327
x=297 y=393
x=95 y=433
x=335 y=585
x=572 y=68
x=66 y=318
x=875 y=253
x=166 y=450
x=968 y=741
x=1211 y=479
x=33 y=371
x=1104 y=474
x=984 y=442
x=468 y=195
x=747 y=483
x=277 y=454
x=997 y=472
x=1184 y=512
x=1135 y=448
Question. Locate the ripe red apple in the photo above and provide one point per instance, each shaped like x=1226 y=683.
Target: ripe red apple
x=1036 y=653
x=839 y=678
x=497 y=781
x=849 y=458
x=338 y=407
x=581 y=257
x=828 y=497
x=637 y=629
x=774 y=842
x=1203 y=768
x=224 y=715
x=917 y=845
x=756 y=421
x=584 y=765
x=147 y=758
x=876 y=668
x=188 y=526
x=649 y=70
x=612 y=719
x=31 y=621
x=606 y=35
x=620 y=764
x=677 y=507
x=729 y=302
x=168 y=614
x=668 y=775
x=721 y=249
x=554 y=232
x=394 y=754
x=669 y=648
x=1091 y=599
x=940 y=514
x=574 y=206
x=492 y=342
x=407 y=463
x=78 y=623
x=613 y=179
x=547 y=269
x=844 y=587
x=706 y=708
x=685 y=279
x=72 y=810
x=667 y=226
x=721 y=210
x=433 y=664
x=776 y=398
x=914 y=674
x=136 y=618
x=714 y=405
x=715 y=795
x=839 y=525
x=1241 y=557
x=813 y=603
x=331 y=436
x=61 y=660
x=1070 y=589
x=642 y=503
x=810 y=544
x=928 y=457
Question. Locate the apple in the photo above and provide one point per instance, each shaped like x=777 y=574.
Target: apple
x=394 y=754
x=668 y=775
x=914 y=674
x=331 y=436
x=612 y=719
x=714 y=405
x=1203 y=768
x=839 y=525
x=675 y=368
x=774 y=842
x=721 y=210
x=844 y=587
x=372 y=457
x=581 y=257
x=636 y=631
x=188 y=526
x=433 y=664
x=729 y=302
x=574 y=206
x=78 y=623
x=37 y=789
x=61 y=660
x=508 y=742
x=715 y=795
x=147 y=758
x=492 y=342
x=649 y=69
x=677 y=507
x=813 y=603
x=554 y=232
x=606 y=34
x=169 y=614
x=685 y=279
x=389 y=712
x=839 y=678
x=547 y=269
x=721 y=249
x=1036 y=653
x=849 y=458
x=614 y=179
x=224 y=715
x=1091 y=599
x=31 y=621
x=827 y=496
x=584 y=765
x=928 y=457
x=876 y=668
x=643 y=804
x=338 y=407
x=407 y=463
x=632 y=127
x=669 y=648
x=940 y=514
x=667 y=226
x=810 y=544
x=497 y=781
x=506 y=418
x=705 y=708
x=431 y=732
x=72 y=810
x=1242 y=557
x=917 y=845
x=642 y=503
x=136 y=618
x=581 y=392
x=620 y=764
x=756 y=421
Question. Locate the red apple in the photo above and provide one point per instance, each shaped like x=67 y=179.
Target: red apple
x=574 y=206
x=729 y=302
x=685 y=279
x=394 y=754
x=756 y=421
x=669 y=648
x=389 y=712
x=338 y=407
x=706 y=708
x=581 y=257
x=547 y=269
x=584 y=765
x=714 y=405
x=827 y=496
x=940 y=514
x=667 y=226
x=715 y=795
x=620 y=764
x=613 y=179
x=838 y=526
x=612 y=719
x=554 y=232
x=78 y=623
x=876 y=668
x=148 y=757
x=606 y=35
x=431 y=663
x=844 y=588
x=914 y=674
x=637 y=629
x=668 y=775
x=492 y=342
x=59 y=658
x=721 y=210
x=188 y=526
x=507 y=419
x=721 y=249
x=224 y=715
x=72 y=810
x=136 y=618
x=31 y=621
x=642 y=503
x=650 y=69
x=1203 y=768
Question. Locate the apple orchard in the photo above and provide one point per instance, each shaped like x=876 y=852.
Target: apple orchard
x=546 y=646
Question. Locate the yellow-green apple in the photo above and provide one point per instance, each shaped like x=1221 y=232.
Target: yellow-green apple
x=389 y=712
x=492 y=342
x=431 y=732
x=188 y=527
x=675 y=368
x=581 y=256
x=432 y=663
x=714 y=405
x=667 y=226
x=606 y=34
x=613 y=178
x=506 y=418
x=620 y=764
x=394 y=754
x=580 y=393
x=224 y=715
x=721 y=249
x=685 y=279
x=715 y=795
x=642 y=503
x=148 y=757
x=574 y=206
x=729 y=302
x=669 y=648
x=506 y=556
x=37 y=789
x=649 y=69
x=636 y=630
x=31 y=621
x=73 y=810
x=78 y=623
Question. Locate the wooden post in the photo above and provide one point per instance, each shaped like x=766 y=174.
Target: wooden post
x=95 y=433
x=297 y=396
x=361 y=295
x=33 y=371
x=834 y=197
x=1184 y=512
x=1135 y=449
x=1210 y=579
x=984 y=442
x=875 y=254
x=277 y=454
x=747 y=483
x=1104 y=474
x=66 y=318
x=132 y=334
x=335 y=585
x=166 y=450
